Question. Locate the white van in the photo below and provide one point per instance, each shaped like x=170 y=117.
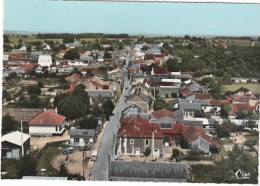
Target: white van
x=94 y=156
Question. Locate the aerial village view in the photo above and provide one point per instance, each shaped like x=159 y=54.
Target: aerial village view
x=109 y=105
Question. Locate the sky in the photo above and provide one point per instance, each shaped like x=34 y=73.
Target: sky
x=132 y=17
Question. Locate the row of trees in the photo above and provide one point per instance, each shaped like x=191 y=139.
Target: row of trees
x=82 y=35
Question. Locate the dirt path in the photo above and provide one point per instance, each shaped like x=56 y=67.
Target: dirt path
x=40 y=142
x=75 y=165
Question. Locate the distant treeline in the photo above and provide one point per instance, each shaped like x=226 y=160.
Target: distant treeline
x=82 y=35
x=239 y=38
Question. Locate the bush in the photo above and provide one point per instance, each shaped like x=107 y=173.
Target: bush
x=173 y=94
x=147 y=151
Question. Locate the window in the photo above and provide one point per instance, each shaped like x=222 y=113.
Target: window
x=56 y=128
x=166 y=125
x=76 y=140
x=132 y=141
x=146 y=142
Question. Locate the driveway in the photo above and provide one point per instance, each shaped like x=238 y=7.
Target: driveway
x=40 y=142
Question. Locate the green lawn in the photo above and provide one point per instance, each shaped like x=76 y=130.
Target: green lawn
x=9 y=165
x=253 y=87
x=15 y=39
x=46 y=156
x=203 y=173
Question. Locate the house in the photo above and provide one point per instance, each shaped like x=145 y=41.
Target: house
x=47 y=123
x=203 y=96
x=72 y=77
x=163 y=72
x=139 y=99
x=65 y=69
x=163 y=117
x=243 y=98
x=194 y=87
x=187 y=94
x=45 y=60
x=148 y=171
x=236 y=107
x=190 y=108
x=81 y=137
x=12 y=145
x=136 y=134
x=140 y=87
x=198 y=140
x=100 y=93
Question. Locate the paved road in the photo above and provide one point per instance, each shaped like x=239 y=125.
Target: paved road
x=100 y=169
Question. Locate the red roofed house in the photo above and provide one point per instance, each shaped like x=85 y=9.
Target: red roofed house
x=164 y=117
x=236 y=107
x=203 y=96
x=136 y=134
x=72 y=77
x=47 y=123
x=187 y=94
x=198 y=140
x=159 y=71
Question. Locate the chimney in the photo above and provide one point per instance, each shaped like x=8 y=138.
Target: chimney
x=56 y=110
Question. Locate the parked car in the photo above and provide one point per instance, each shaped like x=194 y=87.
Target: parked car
x=94 y=156
x=68 y=150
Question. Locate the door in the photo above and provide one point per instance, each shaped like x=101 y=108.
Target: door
x=137 y=151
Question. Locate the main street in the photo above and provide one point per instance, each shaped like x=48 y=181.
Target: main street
x=100 y=169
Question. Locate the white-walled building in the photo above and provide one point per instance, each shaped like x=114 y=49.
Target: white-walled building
x=45 y=60
x=47 y=123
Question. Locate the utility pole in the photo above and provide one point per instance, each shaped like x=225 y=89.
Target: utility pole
x=22 y=138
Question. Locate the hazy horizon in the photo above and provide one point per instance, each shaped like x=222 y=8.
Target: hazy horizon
x=133 y=18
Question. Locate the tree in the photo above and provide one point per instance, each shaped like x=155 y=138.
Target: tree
x=68 y=38
x=29 y=48
x=79 y=92
x=72 y=54
x=175 y=153
x=225 y=110
x=9 y=124
x=160 y=104
x=88 y=123
x=26 y=166
x=40 y=84
x=107 y=55
x=244 y=114
x=108 y=108
x=33 y=90
x=72 y=107
x=63 y=172
x=6 y=39
x=173 y=94
x=147 y=151
x=237 y=159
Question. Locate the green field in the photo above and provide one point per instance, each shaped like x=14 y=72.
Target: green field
x=203 y=173
x=255 y=88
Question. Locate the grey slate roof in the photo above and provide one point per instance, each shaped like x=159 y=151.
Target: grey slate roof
x=138 y=74
x=190 y=106
x=82 y=133
x=148 y=171
x=190 y=122
x=99 y=93
x=136 y=114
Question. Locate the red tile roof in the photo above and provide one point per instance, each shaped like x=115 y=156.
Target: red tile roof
x=241 y=98
x=178 y=128
x=47 y=118
x=163 y=113
x=225 y=101
x=236 y=107
x=29 y=67
x=153 y=56
x=160 y=71
x=99 y=85
x=185 y=92
x=139 y=128
x=215 y=102
x=192 y=133
x=203 y=96
x=75 y=75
